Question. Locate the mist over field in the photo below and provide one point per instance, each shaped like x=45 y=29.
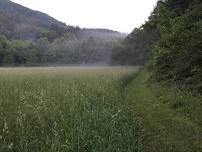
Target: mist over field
x=70 y=89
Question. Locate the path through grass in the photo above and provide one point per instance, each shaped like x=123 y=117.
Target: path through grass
x=171 y=119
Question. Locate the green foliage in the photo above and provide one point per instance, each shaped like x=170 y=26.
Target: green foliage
x=67 y=49
x=66 y=110
x=171 y=39
x=134 y=50
x=5 y=51
x=177 y=55
x=171 y=118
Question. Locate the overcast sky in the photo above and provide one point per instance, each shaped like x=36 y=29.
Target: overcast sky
x=119 y=15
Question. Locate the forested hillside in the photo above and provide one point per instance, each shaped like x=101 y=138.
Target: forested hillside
x=32 y=38
x=172 y=42
x=18 y=22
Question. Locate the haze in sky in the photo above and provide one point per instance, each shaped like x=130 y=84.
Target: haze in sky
x=119 y=15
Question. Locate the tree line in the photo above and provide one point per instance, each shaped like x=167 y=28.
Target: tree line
x=169 y=43
x=67 y=49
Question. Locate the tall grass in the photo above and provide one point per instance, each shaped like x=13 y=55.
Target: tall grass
x=66 y=109
x=171 y=118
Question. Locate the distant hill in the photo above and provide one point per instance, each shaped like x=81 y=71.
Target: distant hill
x=103 y=33
x=18 y=22
x=32 y=38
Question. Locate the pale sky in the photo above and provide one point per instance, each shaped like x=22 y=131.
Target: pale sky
x=119 y=15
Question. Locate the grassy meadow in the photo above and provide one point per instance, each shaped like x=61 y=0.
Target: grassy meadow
x=76 y=109
x=88 y=109
x=170 y=118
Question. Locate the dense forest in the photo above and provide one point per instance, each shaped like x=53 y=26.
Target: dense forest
x=66 y=49
x=32 y=38
x=169 y=43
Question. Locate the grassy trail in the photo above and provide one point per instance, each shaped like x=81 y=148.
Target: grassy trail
x=171 y=120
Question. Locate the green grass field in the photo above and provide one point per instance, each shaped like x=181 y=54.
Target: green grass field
x=95 y=109
x=67 y=109
x=171 y=119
